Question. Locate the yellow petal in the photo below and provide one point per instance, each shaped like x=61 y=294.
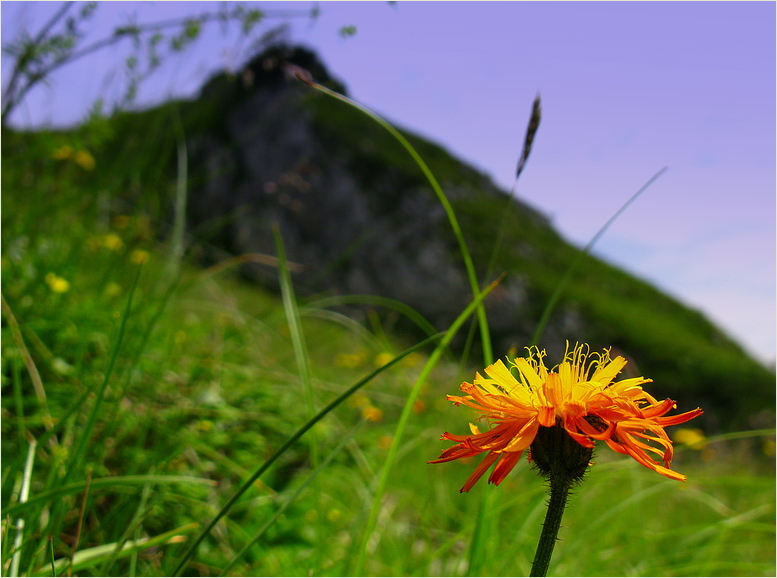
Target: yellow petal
x=604 y=375
x=528 y=372
x=499 y=373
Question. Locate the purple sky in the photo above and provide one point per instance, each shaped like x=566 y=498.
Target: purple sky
x=627 y=88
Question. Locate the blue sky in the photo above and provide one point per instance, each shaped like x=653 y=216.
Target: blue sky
x=627 y=88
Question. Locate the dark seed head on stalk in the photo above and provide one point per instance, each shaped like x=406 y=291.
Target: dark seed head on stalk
x=531 y=130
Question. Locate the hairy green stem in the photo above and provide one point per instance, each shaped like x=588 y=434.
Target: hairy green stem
x=559 y=492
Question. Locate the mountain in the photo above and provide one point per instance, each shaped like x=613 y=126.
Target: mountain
x=358 y=217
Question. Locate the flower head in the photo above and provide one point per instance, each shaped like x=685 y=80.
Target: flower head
x=579 y=395
x=139 y=256
x=57 y=283
x=85 y=160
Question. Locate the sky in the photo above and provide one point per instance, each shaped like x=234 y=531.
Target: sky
x=627 y=88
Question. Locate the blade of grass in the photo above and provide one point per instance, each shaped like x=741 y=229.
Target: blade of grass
x=51 y=553
x=179 y=219
x=92 y=556
x=587 y=249
x=358 y=569
x=6 y=542
x=78 y=455
x=295 y=325
x=18 y=398
x=485 y=523
x=386 y=302
x=80 y=525
x=291 y=441
x=134 y=526
x=344 y=321
x=37 y=383
x=24 y=494
x=741 y=435
x=303 y=367
x=485 y=336
x=76 y=487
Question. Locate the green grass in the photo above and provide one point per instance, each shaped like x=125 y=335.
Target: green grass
x=160 y=404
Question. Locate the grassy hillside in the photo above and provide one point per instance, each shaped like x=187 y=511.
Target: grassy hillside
x=155 y=387
x=688 y=357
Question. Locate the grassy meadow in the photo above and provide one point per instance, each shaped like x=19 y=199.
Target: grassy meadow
x=141 y=391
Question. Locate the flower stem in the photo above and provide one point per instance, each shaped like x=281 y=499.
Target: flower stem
x=559 y=492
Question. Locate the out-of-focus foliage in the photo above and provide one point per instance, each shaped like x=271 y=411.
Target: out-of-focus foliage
x=62 y=40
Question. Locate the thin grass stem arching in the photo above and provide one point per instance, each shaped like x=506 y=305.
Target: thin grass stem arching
x=545 y=317
x=305 y=77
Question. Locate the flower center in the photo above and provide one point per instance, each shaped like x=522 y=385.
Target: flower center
x=555 y=453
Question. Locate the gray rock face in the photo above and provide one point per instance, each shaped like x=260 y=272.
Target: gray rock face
x=354 y=229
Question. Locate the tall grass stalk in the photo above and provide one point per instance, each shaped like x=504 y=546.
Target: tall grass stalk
x=485 y=336
x=413 y=315
x=23 y=495
x=99 y=483
x=303 y=366
x=181 y=192
x=86 y=433
x=81 y=513
x=134 y=527
x=358 y=569
x=91 y=557
x=29 y=363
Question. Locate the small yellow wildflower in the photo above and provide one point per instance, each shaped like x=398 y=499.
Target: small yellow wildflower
x=349 y=360
x=579 y=396
x=693 y=438
x=139 y=256
x=113 y=242
x=383 y=359
x=359 y=399
x=372 y=413
x=112 y=289
x=56 y=283
x=63 y=152
x=85 y=160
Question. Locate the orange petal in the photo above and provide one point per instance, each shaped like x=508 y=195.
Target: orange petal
x=504 y=466
x=479 y=471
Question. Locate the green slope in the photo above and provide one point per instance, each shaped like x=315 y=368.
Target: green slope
x=687 y=356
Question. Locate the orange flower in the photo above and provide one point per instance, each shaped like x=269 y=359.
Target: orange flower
x=578 y=395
